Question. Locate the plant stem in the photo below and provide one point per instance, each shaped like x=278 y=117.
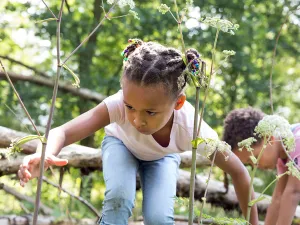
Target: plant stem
x=208 y=179
x=209 y=79
x=49 y=10
x=87 y=38
x=205 y=97
x=19 y=99
x=42 y=163
x=252 y=177
x=180 y=28
x=193 y=167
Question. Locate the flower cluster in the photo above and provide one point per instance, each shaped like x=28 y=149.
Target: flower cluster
x=220 y=24
x=292 y=170
x=163 y=8
x=123 y=3
x=247 y=144
x=274 y=125
x=134 y=14
x=212 y=145
x=228 y=52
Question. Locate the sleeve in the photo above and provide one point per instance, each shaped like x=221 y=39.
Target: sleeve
x=115 y=106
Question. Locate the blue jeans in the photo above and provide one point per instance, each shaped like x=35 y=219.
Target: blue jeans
x=158 y=180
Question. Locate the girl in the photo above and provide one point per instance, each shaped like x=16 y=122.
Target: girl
x=239 y=125
x=147 y=124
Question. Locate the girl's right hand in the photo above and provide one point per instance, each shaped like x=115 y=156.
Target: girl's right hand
x=30 y=168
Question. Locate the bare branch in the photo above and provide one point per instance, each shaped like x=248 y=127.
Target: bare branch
x=63 y=86
x=49 y=9
x=82 y=200
x=19 y=98
x=45 y=209
x=25 y=65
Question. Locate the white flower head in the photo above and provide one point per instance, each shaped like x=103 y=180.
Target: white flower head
x=228 y=52
x=220 y=24
x=134 y=14
x=212 y=145
x=277 y=126
x=123 y=3
x=293 y=170
x=247 y=143
x=163 y=8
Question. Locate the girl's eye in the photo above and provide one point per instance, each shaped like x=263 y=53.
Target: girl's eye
x=151 y=113
x=129 y=107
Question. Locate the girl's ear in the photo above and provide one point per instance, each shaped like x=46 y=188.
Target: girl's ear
x=180 y=101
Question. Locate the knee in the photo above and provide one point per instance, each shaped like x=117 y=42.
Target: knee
x=116 y=211
x=158 y=217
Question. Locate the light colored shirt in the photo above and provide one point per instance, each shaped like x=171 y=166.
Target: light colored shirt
x=295 y=155
x=145 y=147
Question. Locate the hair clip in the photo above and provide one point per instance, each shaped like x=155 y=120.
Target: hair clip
x=133 y=44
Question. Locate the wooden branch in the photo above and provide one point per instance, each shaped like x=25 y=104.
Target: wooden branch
x=45 y=209
x=24 y=65
x=78 y=156
x=64 y=87
x=82 y=200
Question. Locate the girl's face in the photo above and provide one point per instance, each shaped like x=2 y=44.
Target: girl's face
x=268 y=159
x=148 y=108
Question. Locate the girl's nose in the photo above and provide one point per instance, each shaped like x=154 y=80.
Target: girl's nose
x=139 y=122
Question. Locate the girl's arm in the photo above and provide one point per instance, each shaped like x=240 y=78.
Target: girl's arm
x=73 y=131
x=289 y=201
x=241 y=181
x=77 y=129
x=273 y=209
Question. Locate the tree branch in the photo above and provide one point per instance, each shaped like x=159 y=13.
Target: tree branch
x=83 y=93
x=45 y=209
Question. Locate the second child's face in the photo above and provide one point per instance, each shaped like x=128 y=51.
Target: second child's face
x=148 y=108
x=268 y=159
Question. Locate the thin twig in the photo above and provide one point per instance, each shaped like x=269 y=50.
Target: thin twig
x=87 y=38
x=82 y=200
x=274 y=55
x=19 y=98
x=42 y=163
x=49 y=10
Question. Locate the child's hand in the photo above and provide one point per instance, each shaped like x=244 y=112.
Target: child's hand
x=29 y=169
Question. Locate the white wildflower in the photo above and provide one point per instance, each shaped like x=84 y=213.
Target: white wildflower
x=220 y=24
x=134 y=14
x=247 y=144
x=277 y=126
x=212 y=145
x=293 y=170
x=123 y=3
x=163 y=8
x=228 y=52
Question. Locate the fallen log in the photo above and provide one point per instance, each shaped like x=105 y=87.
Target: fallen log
x=78 y=156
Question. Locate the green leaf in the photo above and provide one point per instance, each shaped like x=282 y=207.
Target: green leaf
x=77 y=81
x=197 y=142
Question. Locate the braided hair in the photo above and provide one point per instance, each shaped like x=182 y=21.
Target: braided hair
x=150 y=63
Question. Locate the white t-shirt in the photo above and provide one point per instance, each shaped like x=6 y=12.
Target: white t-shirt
x=145 y=147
